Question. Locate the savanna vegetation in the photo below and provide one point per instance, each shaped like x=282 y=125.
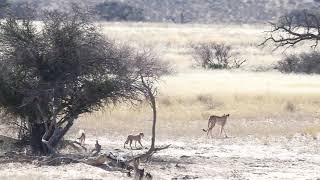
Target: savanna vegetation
x=65 y=69
x=54 y=71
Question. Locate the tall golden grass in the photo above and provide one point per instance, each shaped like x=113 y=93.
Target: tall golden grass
x=259 y=102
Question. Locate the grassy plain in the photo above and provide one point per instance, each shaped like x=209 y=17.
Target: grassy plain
x=271 y=113
x=259 y=99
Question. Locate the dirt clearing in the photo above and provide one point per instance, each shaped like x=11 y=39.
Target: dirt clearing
x=274 y=157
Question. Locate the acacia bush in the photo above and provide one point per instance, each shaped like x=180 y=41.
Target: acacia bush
x=51 y=74
x=303 y=63
x=214 y=55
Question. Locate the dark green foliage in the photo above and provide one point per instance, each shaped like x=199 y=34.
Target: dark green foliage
x=117 y=11
x=50 y=73
x=67 y=59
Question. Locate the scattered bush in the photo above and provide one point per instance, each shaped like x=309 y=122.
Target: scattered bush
x=207 y=100
x=290 y=107
x=117 y=11
x=165 y=101
x=303 y=63
x=49 y=76
x=216 y=56
x=204 y=98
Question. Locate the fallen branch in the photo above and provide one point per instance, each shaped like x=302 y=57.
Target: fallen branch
x=74 y=144
x=58 y=161
x=93 y=161
x=149 y=153
x=18 y=157
x=108 y=162
x=96 y=161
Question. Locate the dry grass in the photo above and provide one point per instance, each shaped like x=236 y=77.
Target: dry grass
x=313 y=130
x=188 y=97
x=172 y=40
x=259 y=103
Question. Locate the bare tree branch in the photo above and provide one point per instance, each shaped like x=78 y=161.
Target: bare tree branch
x=294 y=29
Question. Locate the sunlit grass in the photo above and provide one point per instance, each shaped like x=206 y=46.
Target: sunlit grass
x=190 y=97
x=257 y=101
x=172 y=41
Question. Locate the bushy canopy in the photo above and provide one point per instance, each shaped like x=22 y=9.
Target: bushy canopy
x=56 y=69
x=65 y=58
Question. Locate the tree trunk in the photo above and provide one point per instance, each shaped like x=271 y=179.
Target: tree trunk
x=154 y=110
x=37 y=131
x=57 y=139
x=151 y=97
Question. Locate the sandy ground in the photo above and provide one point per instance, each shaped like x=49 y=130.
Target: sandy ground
x=249 y=157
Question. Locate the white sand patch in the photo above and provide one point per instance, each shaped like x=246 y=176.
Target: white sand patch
x=250 y=157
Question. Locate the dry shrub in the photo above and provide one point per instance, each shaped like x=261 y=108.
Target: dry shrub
x=207 y=100
x=204 y=98
x=165 y=101
x=314 y=131
x=214 y=55
x=290 y=107
x=303 y=63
